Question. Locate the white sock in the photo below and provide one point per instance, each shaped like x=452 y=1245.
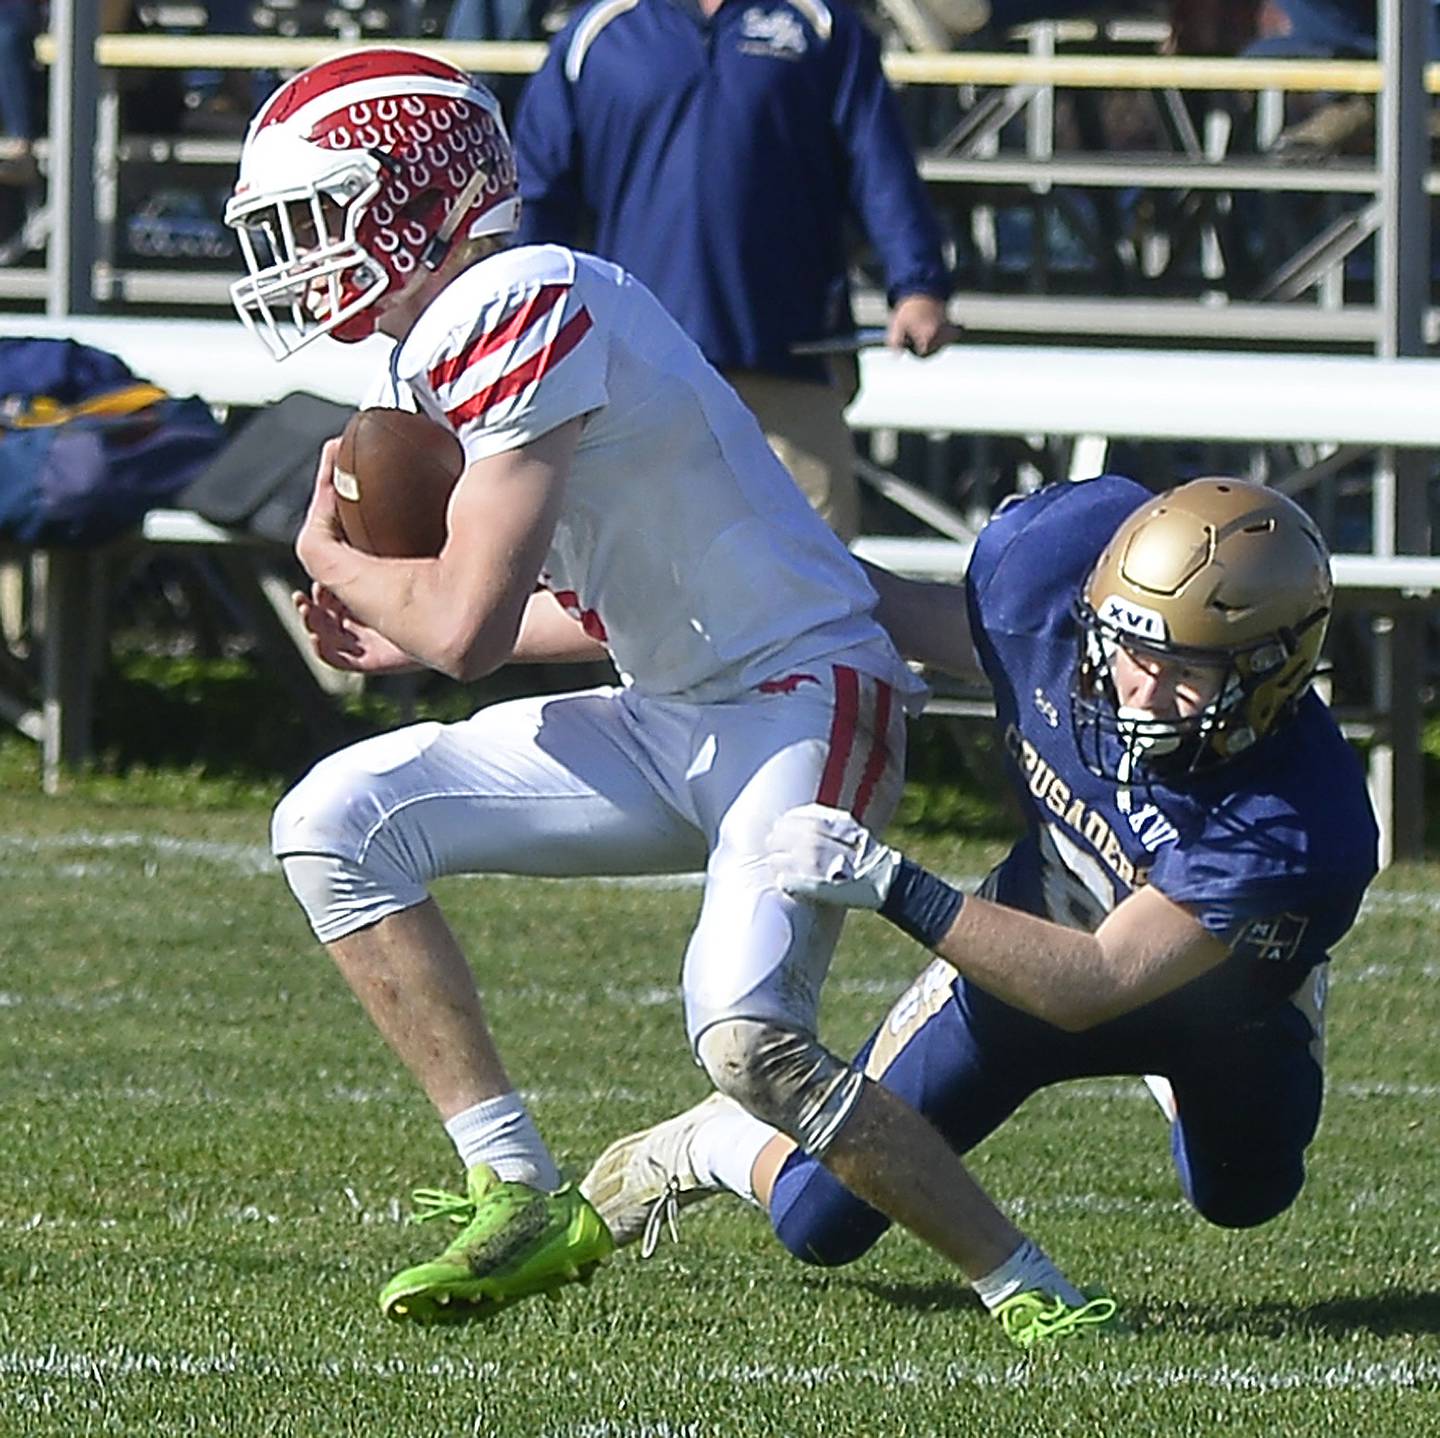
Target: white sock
x=501 y=1132
x=724 y=1148
x=1027 y=1268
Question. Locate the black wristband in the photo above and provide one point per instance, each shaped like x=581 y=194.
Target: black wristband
x=921 y=904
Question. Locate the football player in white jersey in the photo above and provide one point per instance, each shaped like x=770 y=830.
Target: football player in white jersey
x=617 y=499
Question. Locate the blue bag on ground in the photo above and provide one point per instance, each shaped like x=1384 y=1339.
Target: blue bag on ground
x=85 y=447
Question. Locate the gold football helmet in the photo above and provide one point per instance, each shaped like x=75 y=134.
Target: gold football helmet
x=1217 y=573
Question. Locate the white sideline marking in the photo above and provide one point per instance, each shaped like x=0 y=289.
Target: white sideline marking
x=245 y=858
x=256 y=859
x=1388 y=899
x=657 y=1101
x=248 y=859
x=645 y=997
x=391 y=1211
x=1367 y=973
x=1380 y=1088
x=609 y=1428
x=120 y=1362
x=1110 y=1089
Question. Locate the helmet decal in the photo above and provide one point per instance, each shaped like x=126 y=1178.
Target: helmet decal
x=1146 y=624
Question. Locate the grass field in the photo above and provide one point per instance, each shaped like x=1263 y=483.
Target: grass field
x=207 y=1157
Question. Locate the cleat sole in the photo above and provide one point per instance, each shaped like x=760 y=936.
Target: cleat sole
x=472 y=1299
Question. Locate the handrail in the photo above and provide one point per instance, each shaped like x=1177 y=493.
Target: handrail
x=964 y=67
x=1143 y=72
x=278 y=52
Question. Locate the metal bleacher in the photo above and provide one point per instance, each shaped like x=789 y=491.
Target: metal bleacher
x=1189 y=231
x=1030 y=192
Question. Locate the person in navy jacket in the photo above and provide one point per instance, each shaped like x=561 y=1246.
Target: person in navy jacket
x=718 y=149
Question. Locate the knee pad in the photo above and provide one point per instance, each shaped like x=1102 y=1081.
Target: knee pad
x=361 y=802
x=327 y=812
x=782 y=1077
x=1245 y=1200
x=1248 y=1204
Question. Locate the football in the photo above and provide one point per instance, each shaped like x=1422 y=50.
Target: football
x=394 y=474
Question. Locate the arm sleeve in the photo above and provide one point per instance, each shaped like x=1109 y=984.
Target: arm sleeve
x=546 y=154
x=885 y=188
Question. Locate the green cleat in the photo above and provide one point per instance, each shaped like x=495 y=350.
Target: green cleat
x=514 y=1241
x=1032 y=1318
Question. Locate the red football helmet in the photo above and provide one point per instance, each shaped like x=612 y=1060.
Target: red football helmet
x=355 y=174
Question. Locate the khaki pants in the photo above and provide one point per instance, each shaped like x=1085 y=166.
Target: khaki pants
x=805 y=424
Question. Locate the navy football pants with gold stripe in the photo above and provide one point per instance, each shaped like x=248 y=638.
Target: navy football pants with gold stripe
x=1247 y=1083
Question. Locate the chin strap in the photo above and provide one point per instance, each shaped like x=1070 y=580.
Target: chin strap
x=434 y=253
x=1124 y=773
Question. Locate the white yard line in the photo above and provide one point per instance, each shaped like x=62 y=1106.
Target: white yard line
x=121 y=1362
x=257 y=859
x=242 y=858
x=622 y=1097
x=246 y=859
x=254 y=859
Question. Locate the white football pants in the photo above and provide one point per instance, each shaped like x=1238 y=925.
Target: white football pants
x=610 y=782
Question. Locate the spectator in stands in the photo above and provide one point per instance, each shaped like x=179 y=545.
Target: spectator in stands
x=495 y=20
x=718 y=150
x=1318 y=29
x=498 y=20
x=1326 y=30
x=1262 y=29
x=151 y=102
x=223 y=100
x=1214 y=27
x=20 y=22
x=1315 y=29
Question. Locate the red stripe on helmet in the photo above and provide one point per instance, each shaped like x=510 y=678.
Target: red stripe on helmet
x=359 y=65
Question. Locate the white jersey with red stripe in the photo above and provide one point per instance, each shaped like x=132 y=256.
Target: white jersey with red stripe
x=682 y=542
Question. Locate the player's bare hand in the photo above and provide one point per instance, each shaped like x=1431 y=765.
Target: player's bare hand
x=816 y=852
x=342 y=641
x=320 y=545
x=918 y=324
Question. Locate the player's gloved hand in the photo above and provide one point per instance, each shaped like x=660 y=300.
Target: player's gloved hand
x=824 y=854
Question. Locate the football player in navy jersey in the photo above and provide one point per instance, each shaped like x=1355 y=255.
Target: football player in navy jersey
x=1198 y=836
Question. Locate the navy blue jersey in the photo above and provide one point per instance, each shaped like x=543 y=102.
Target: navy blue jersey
x=1272 y=852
